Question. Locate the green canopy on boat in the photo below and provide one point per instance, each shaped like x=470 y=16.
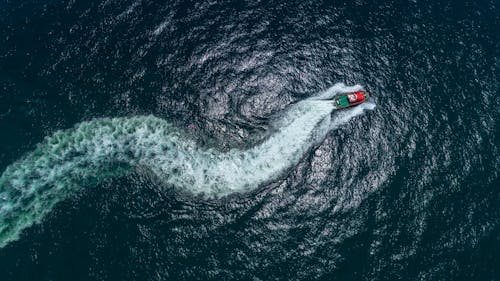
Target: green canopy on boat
x=343 y=101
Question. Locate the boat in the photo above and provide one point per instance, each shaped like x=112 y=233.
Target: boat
x=346 y=100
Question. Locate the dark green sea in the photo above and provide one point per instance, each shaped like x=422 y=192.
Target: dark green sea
x=197 y=140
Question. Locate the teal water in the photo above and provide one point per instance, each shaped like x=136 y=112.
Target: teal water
x=194 y=140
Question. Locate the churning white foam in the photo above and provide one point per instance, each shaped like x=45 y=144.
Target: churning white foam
x=102 y=148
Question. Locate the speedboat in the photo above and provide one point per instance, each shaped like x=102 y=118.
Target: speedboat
x=346 y=100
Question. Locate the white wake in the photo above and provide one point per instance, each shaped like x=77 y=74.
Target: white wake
x=102 y=148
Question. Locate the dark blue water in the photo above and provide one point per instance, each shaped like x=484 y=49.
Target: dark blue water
x=406 y=191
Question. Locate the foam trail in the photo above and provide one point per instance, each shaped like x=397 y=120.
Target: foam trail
x=92 y=151
x=336 y=89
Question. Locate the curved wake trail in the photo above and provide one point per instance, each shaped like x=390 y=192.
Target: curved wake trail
x=95 y=150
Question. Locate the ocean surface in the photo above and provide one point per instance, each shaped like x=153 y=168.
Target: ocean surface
x=197 y=140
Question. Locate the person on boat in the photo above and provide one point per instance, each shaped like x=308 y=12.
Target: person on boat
x=352 y=97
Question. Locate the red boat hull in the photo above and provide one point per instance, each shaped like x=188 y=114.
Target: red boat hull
x=351 y=99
